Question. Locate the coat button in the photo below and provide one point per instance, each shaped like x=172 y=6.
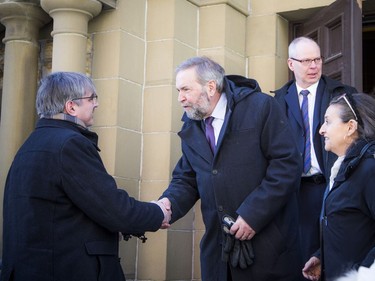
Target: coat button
x=214 y=172
x=220 y=208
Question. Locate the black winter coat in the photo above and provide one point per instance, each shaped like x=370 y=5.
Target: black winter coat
x=348 y=216
x=63 y=211
x=254 y=173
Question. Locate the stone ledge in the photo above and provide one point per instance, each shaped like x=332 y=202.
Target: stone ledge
x=240 y=5
x=108 y=4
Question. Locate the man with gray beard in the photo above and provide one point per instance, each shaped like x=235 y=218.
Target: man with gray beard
x=239 y=160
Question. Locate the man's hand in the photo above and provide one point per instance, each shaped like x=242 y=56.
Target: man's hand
x=242 y=230
x=165 y=206
x=238 y=253
x=312 y=269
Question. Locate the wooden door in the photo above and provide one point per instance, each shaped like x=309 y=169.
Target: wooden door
x=338 y=30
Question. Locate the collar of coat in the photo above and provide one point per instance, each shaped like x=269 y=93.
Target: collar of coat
x=334 y=87
x=63 y=121
x=66 y=117
x=361 y=149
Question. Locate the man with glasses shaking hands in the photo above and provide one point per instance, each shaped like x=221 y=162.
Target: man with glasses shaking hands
x=305 y=100
x=62 y=211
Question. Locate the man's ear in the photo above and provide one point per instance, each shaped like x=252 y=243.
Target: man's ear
x=70 y=108
x=211 y=86
x=290 y=64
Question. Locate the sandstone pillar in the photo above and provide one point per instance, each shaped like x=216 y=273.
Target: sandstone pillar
x=70 y=24
x=22 y=22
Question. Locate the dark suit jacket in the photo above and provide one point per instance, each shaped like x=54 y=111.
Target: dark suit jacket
x=253 y=173
x=287 y=96
x=63 y=211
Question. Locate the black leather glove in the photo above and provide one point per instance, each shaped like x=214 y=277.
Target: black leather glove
x=247 y=252
x=238 y=253
x=141 y=236
x=227 y=247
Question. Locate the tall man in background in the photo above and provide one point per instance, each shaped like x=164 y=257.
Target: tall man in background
x=305 y=100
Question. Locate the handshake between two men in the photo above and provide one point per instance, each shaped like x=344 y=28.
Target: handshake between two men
x=238 y=228
x=165 y=206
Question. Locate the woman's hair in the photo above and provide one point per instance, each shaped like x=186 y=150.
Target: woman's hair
x=206 y=70
x=360 y=107
x=58 y=88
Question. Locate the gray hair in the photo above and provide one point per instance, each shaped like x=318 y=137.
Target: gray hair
x=363 y=105
x=296 y=41
x=206 y=70
x=58 y=88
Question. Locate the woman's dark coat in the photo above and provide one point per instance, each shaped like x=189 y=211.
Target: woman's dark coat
x=63 y=211
x=254 y=173
x=348 y=216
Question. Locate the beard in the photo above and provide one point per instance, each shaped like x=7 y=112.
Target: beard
x=199 y=110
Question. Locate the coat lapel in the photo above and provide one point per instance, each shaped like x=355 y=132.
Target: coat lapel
x=291 y=98
x=193 y=136
x=321 y=102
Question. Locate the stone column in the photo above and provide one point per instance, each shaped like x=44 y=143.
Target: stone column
x=22 y=22
x=70 y=24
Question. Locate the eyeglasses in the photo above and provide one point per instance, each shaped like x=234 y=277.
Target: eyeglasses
x=93 y=97
x=351 y=104
x=308 y=62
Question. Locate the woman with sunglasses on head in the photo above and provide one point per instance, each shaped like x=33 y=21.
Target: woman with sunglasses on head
x=348 y=211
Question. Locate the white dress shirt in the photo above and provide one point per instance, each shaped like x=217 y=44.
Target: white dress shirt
x=219 y=115
x=315 y=168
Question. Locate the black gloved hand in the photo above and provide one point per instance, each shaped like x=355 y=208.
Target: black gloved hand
x=237 y=252
x=141 y=236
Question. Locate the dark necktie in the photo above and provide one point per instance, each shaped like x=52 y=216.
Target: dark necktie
x=210 y=136
x=305 y=117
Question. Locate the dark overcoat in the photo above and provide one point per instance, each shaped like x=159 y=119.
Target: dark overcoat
x=63 y=212
x=253 y=173
x=348 y=216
